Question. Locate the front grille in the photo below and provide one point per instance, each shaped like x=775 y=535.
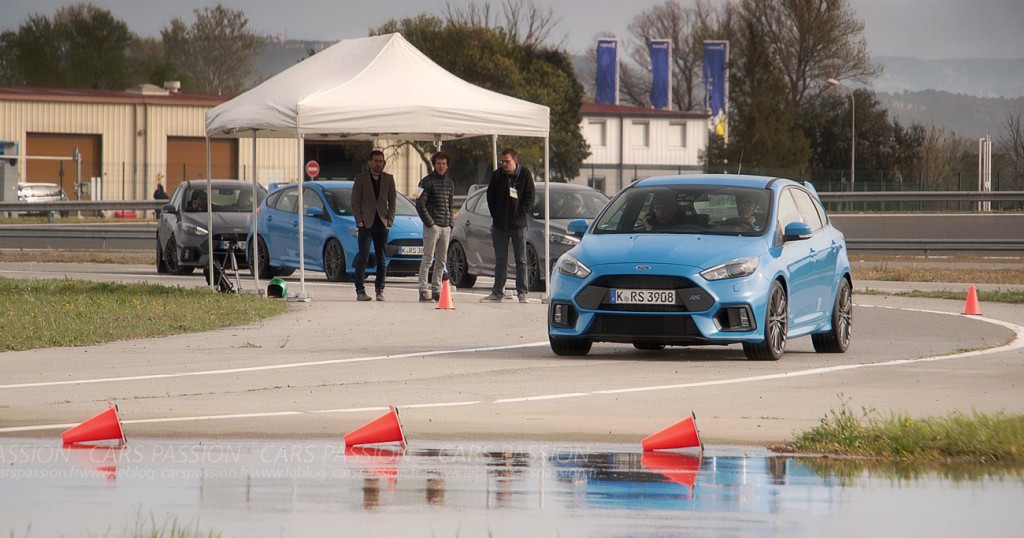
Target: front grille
x=394 y=245
x=626 y=328
x=403 y=267
x=689 y=296
x=646 y=282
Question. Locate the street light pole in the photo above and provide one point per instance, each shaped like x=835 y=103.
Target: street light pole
x=853 y=129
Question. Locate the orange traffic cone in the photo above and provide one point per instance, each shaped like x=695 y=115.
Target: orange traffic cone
x=682 y=434
x=384 y=429
x=971 y=307
x=102 y=427
x=678 y=468
x=445 y=301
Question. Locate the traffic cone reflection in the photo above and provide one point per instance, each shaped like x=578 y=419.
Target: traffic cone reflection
x=682 y=434
x=102 y=427
x=679 y=468
x=971 y=306
x=384 y=429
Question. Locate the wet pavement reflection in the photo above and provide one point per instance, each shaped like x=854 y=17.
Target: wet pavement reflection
x=317 y=488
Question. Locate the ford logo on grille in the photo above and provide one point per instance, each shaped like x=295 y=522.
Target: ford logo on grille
x=643 y=268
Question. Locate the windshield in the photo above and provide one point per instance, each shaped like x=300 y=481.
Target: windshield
x=692 y=209
x=232 y=199
x=570 y=204
x=340 y=200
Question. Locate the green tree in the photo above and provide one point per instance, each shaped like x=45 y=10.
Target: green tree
x=762 y=121
x=81 y=46
x=216 y=50
x=490 y=58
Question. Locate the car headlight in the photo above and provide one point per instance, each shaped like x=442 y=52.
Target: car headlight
x=734 y=269
x=562 y=239
x=568 y=265
x=192 y=229
x=353 y=231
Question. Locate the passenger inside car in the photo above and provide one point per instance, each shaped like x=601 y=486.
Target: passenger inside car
x=197 y=201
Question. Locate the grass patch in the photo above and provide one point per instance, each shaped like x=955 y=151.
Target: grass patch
x=978 y=437
x=58 y=313
x=994 y=296
x=913 y=273
x=78 y=256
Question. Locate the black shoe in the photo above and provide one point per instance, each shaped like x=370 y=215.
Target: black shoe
x=362 y=296
x=380 y=295
x=435 y=296
x=426 y=298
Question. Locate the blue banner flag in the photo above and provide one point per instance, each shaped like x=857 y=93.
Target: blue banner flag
x=661 y=72
x=607 y=71
x=716 y=85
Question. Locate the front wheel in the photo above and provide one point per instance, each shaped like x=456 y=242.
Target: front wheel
x=161 y=267
x=837 y=340
x=458 y=267
x=570 y=347
x=776 y=328
x=171 y=259
x=533 y=270
x=334 y=261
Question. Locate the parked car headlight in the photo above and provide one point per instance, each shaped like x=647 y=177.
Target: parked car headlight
x=734 y=269
x=354 y=231
x=192 y=229
x=568 y=265
x=562 y=239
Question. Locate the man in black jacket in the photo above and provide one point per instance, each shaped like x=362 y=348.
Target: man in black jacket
x=510 y=197
x=434 y=204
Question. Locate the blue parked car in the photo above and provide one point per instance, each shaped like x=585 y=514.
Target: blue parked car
x=705 y=260
x=331 y=236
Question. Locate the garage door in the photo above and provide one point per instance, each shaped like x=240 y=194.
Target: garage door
x=186 y=159
x=62 y=173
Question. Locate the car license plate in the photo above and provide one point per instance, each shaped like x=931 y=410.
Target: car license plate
x=410 y=251
x=642 y=296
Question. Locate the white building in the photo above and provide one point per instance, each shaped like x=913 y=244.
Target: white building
x=628 y=143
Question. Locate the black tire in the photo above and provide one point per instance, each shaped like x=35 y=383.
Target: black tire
x=570 y=347
x=161 y=267
x=266 y=271
x=334 y=261
x=648 y=346
x=171 y=259
x=776 y=328
x=458 y=267
x=837 y=340
x=533 y=265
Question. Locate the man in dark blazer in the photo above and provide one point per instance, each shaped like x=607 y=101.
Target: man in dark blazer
x=373 y=203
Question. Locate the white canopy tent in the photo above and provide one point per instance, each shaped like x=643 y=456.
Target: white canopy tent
x=373 y=88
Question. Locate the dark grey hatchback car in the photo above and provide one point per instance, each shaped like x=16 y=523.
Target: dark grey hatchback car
x=182 y=235
x=470 y=252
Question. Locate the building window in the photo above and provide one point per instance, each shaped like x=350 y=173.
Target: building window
x=597 y=133
x=596 y=182
x=677 y=134
x=641 y=134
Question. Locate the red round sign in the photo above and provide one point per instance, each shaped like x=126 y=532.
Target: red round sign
x=313 y=168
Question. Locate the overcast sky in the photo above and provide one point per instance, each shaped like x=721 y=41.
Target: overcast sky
x=928 y=29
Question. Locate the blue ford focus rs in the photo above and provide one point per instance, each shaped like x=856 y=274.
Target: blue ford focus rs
x=705 y=260
x=331 y=236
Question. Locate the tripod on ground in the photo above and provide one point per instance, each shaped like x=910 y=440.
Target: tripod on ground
x=220 y=279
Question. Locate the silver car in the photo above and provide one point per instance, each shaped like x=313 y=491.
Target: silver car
x=471 y=254
x=41 y=193
x=182 y=237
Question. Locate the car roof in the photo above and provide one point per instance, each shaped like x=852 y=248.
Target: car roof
x=725 y=180
x=218 y=183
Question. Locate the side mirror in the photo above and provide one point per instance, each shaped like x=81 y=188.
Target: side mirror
x=577 y=227
x=314 y=212
x=169 y=208
x=796 y=231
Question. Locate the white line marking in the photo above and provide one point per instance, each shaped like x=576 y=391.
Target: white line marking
x=267 y=367
x=1016 y=343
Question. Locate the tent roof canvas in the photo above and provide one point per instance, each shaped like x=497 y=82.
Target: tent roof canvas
x=374 y=87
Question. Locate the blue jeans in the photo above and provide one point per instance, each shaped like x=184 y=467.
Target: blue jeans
x=500 y=239
x=379 y=235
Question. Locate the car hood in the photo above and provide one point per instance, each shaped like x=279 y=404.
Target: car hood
x=406 y=227
x=692 y=250
x=222 y=222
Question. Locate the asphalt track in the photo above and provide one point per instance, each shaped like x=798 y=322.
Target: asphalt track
x=485 y=372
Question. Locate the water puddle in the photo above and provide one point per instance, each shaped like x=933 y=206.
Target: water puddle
x=284 y=488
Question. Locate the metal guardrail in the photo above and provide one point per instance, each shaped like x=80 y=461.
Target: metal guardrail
x=923 y=196
x=937 y=244
x=82 y=205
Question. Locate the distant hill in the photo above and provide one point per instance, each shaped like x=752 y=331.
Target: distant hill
x=966 y=115
x=977 y=77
